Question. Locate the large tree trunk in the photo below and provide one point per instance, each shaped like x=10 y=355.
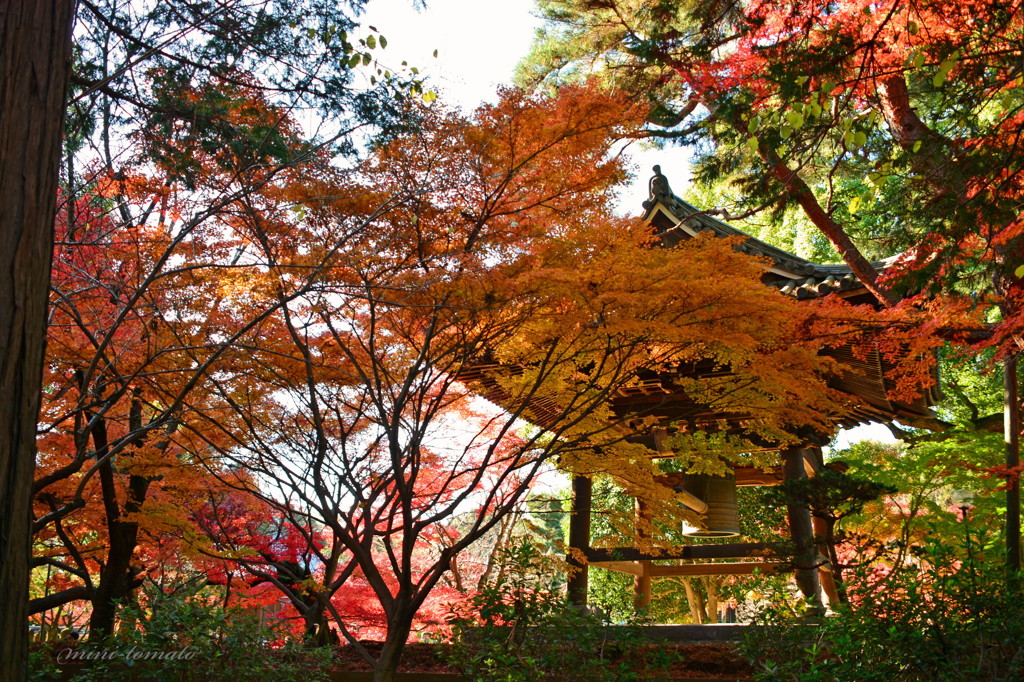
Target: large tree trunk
x=394 y=644
x=317 y=628
x=805 y=558
x=35 y=53
x=800 y=192
x=711 y=603
x=695 y=600
x=933 y=160
x=119 y=578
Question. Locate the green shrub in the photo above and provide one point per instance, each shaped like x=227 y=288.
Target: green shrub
x=945 y=616
x=184 y=638
x=520 y=629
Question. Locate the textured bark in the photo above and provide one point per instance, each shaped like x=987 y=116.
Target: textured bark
x=35 y=50
x=55 y=599
x=118 y=577
x=801 y=193
x=932 y=160
x=833 y=231
x=823 y=535
x=694 y=601
x=386 y=666
x=711 y=604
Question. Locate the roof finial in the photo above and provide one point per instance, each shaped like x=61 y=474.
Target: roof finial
x=659 y=186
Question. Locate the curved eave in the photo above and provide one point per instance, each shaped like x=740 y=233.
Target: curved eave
x=675 y=220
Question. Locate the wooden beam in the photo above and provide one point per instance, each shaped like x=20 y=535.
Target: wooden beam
x=734 y=550
x=745 y=476
x=640 y=570
x=739 y=568
x=692 y=501
x=748 y=476
x=675 y=481
x=630 y=567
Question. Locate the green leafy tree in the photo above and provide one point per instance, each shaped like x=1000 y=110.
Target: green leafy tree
x=893 y=123
x=831 y=495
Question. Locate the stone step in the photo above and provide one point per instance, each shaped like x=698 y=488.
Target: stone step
x=711 y=632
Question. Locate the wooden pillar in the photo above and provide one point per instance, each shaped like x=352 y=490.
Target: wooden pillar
x=579 y=539
x=813 y=463
x=806 y=555
x=642 y=582
x=1011 y=436
x=642 y=587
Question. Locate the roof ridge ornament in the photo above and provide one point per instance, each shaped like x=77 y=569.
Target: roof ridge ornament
x=658 y=188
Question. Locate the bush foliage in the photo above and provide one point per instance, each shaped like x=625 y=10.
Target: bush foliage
x=210 y=644
x=519 y=628
x=944 y=616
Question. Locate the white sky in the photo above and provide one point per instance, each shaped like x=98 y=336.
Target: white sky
x=479 y=43
x=867 y=432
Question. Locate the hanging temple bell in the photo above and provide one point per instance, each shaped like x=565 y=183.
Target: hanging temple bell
x=722 y=518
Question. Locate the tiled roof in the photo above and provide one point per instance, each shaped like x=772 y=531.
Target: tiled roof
x=792 y=275
x=865 y=377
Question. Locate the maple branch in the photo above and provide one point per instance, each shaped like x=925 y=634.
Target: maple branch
x=55 y=599
x=60 y=565
x=57 y=514
x=833 y=231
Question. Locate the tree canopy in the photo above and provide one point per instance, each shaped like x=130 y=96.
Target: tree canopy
x=284 y=275
x=891 y=126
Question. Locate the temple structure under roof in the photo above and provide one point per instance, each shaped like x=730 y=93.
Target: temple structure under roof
x=674 y=220
x=865 y=380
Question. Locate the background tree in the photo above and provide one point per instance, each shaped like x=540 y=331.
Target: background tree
x=757 y=73
x=147 y=306
x=177 y=112
x=832 y=495
x=119 y=46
